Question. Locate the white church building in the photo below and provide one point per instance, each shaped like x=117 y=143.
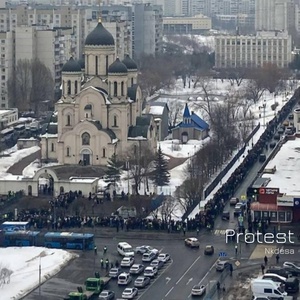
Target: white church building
x=100 y=110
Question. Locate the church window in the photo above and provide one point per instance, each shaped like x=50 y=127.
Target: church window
x=96 y=65
x=87 y=115
x=76 y=87
x=135 y=149
x=85 y=138
x=68 y=120
x=52 y=147
x=122 y=88
x=68 y=151
x=115 y=89
x=131 y=81
x=115 y=121
x=103 y=152
x=69 y=87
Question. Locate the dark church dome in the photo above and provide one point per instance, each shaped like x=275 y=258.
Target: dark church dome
x=71 y=66
x=129 y=63
x=117 y=67
x=99 y=37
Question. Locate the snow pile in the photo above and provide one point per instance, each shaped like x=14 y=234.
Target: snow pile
x=23 y=264
x=32 y=168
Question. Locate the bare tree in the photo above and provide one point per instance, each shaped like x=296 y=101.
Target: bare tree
x=254 y=90
x=235 y=75
x=175 y=110
x=167 y=208
x=139 y=158
x=30 y=84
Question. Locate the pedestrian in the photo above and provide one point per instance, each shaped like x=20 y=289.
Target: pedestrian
x=218 y=285
x=183 y=229
x=197 y=231
x=266 y=260
x=107 y=264
x=117 y=264
x=95 y=250
x=230 y=269
x=101 y=262
x=262 y=269
x=277 y=259
x=224 y=289
x=104 y=249
x=236 y=249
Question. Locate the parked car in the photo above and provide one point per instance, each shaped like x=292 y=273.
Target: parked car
x=157 y=263
x=145 y=248
x=142 y=282
x=150 y=272
x=114 y=272
x=238 y=209
x=164 y=257
x=127 y=262
x=292 y=285
x=198 y=290
x=274 y=277
x=192 y=242
x=209 y=250
x=107 y=295
x=233 y=201
x=124 y=278
x=272 y=145
x=276 y=137
x=262 y=157
x=293 y=268
x=148 y=256
x=129 y=293
x=136 y=269
x=280 y=271
x=221 y=265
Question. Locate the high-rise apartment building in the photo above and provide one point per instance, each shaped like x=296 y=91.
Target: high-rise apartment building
x=274 y=14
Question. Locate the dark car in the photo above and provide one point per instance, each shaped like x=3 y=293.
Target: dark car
x=292 y=268
x=209 y=250
x=225 y=215
x=272 y=145
x=292 y=285
x=276 y=137
x=291 y=117
x=262 y=158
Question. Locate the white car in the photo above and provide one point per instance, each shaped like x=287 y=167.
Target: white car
x=150 y=272
x=198 y=290
x=148 y=256
x=124 y=279
x=127 y=261
x=164 y=257
x=274 y=277
x=192 y=242
x=136 y=269
x=291 y=265
x=145 y=248
x=114 y=272
x=129 y=293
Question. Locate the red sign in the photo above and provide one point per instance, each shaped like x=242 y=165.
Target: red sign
x=268 y=191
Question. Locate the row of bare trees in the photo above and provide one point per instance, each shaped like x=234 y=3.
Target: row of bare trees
x=30 y=84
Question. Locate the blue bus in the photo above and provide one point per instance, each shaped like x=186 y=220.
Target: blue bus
x=15 y=226
x=20 y=238
x=69 y=240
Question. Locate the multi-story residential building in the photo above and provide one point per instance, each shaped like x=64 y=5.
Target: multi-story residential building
x=146 y=29
x=274 y=14
x=253 y=51
x=177 y=25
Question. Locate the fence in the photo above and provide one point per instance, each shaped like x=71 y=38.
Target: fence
x=213 y=289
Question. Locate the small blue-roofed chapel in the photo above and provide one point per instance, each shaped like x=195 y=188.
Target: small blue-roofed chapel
x=192 y=127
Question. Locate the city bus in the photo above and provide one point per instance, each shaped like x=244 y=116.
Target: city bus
x=15 y=226
x=20 y=238
x=69 y=240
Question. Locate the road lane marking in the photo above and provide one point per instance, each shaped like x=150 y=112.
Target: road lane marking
x=191 y=279
x=188 y=269
x=166 y=295
x=168 y=280
x=190 y=295
x=147 y=289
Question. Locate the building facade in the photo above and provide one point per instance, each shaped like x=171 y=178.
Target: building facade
x=253 y=51
x=186 y=25
x=100 y=111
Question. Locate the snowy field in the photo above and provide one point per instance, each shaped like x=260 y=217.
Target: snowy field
x=23 y=264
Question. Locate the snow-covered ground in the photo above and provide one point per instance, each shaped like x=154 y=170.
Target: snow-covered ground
x=24 y=263
x=32 y=168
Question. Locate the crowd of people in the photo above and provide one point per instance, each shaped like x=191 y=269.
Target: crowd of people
x=52 y=218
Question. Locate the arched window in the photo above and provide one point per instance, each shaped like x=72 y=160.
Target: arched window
x=68 y=120
x=122 y=88
x=76 y=87
x=96 y=65
x=85 y=138
x=52 y=147
x=115 y=121
x=106 y=64
x=69 y=87
x=103 y=152
x=115 y=89
x=68 y=151
x=131 y=81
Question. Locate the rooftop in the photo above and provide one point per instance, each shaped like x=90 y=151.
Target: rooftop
x=287 y=162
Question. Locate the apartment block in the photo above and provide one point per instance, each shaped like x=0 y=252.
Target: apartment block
x=185 y=25
x=253 y=51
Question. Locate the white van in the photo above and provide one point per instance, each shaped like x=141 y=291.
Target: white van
x=124 y=279
x=265 y=287
x=125 y=249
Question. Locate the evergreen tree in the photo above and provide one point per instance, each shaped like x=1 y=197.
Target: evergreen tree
x=161 y=175
x=114 y=167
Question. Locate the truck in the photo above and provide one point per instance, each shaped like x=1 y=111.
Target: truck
x=93 y=286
